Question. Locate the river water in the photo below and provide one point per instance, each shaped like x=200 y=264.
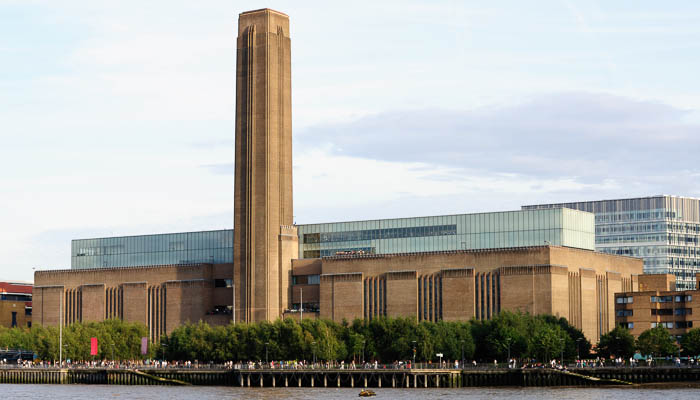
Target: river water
x=10 y=391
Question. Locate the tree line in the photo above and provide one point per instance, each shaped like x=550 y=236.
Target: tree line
x=116 y=340
x=383 y=339
x=508 y=334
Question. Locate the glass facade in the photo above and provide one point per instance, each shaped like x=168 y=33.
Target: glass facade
x=560 y=227
x=146 y=250
x=663 y=230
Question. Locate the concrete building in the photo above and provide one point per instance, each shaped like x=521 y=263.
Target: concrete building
x=15 y=304
x=662 y=230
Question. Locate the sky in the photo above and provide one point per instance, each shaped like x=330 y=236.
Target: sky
x=117 y=118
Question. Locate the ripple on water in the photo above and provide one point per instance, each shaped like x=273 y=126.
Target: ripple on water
x=203 y=392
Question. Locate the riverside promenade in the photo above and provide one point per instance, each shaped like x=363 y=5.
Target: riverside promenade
x=354 y=378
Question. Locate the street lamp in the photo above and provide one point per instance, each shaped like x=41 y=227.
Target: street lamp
x=508 y=340
x=363 y=352
x=562 y=351
x=578 y=348
x=462 y=343
x=313 y=344
x=267 y=362
x=414 y=354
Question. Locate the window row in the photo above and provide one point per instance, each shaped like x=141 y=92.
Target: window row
x=374 y=234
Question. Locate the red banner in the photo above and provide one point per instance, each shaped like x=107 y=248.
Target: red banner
x=93 y=346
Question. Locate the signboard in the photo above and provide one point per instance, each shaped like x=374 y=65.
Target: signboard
x=93 y=346
x=438 y=355
x=144 y=345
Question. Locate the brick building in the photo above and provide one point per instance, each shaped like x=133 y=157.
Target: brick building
x=657 y=303
x=459 y=267
x=459 y=285
x=162 y=297
x=15 y=304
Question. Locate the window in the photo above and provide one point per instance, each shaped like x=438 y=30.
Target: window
x=627 y=325
x=314 y=279
x=663 y=311
x=624 y=313
x=684 y=311
x=223 y=283
x=684 y=324
x=667 y=325
x=624 y=300
x=661 y=299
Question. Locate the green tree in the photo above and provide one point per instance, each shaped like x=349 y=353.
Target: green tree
x=657 y=341
x=617 y=343
x=547 y=341
x=691 y=342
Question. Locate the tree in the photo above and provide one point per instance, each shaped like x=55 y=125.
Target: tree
x=691 y=342
x=547 y=342
x=619 y=342
x=656 y=341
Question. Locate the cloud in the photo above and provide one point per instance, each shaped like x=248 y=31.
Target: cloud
x=583 y=137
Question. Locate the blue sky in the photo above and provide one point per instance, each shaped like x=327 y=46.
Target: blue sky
x=117 y=118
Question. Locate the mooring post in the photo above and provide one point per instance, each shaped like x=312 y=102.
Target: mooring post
x=380 y=381
x=352 y=381
x=415 y=380
x=273 y=380
x=425 y=380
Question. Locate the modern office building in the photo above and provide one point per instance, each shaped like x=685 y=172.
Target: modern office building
x=15 y=304
x=662 y=230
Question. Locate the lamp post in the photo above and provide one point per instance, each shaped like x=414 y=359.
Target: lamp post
x=562 y=351
x=313 y=344
x=414 y=354
x=60 y=332
x=162 y=348
x=267 y=362
x=578 y=348
x=363 y=352
x=508 y=340
x=462 y=343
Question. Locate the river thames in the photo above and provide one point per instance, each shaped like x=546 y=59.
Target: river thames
x=10 y=391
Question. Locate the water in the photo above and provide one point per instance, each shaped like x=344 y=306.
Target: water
x=10 y=391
